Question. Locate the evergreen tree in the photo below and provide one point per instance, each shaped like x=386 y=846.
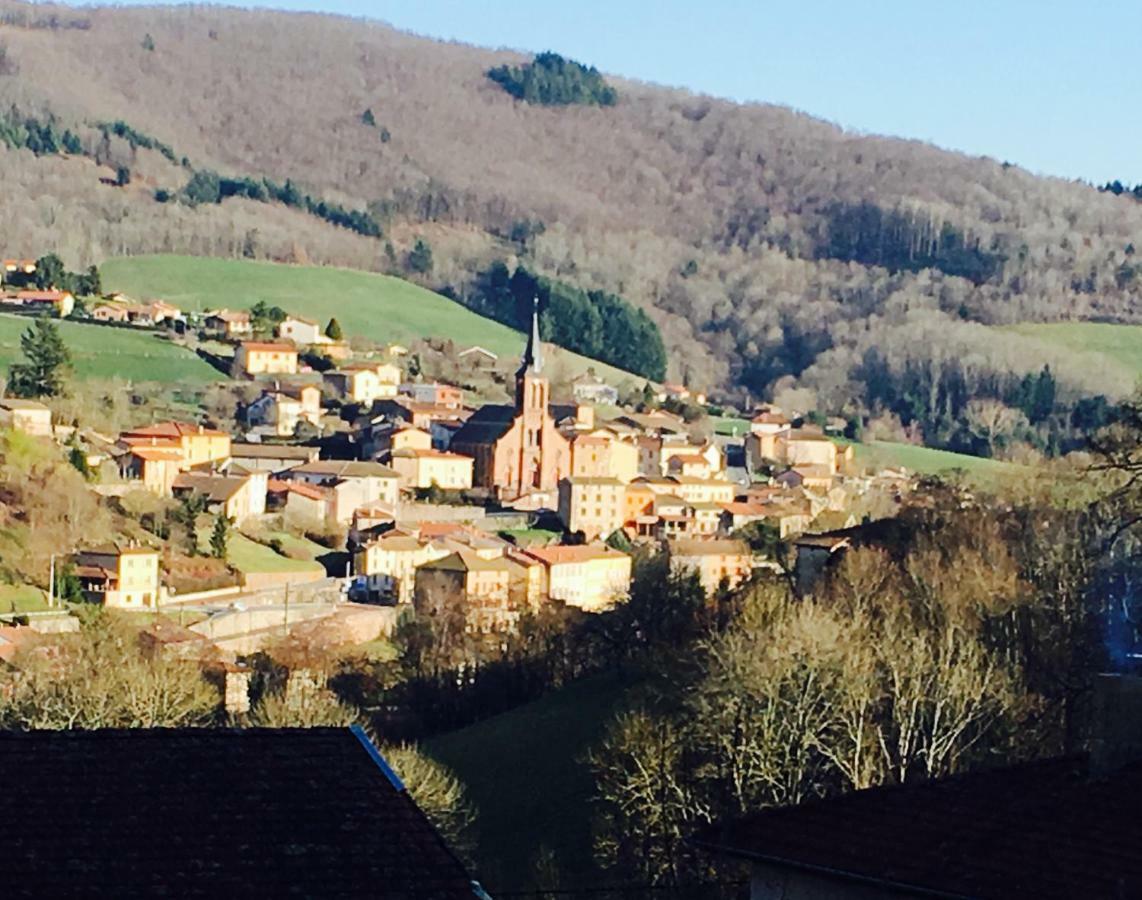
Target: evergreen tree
x=220 y=536
x=420 y=257
x=333 y=330
x=367 y=118
x=46 y=364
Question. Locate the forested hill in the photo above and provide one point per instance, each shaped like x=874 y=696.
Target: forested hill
x=772 y=249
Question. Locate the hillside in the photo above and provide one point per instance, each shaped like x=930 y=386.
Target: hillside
x=378 y=307
x=102 y=352
x=774 y=250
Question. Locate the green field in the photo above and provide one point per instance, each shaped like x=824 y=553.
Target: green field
x=731 y=426
x=21 y=598
x=379 y=307
x=98 y=351
x=1102 y=346
x=526 y=772
x=248 y=556
x=928 y=461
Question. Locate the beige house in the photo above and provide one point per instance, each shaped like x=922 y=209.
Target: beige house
x=360 y=383
x=592 y=577
x=120 y=577
x=284 y=408
x=264 y=358
x=422 y=468
x=390 y=562
x=352 y=485
x=238 y=497
x=465 y=582
x=592 y=505
x=157 y=453
x=228 y=323
x=600 y=453
x=27 y=416
x=717 y=562
x=801 y=447
x=704 y=490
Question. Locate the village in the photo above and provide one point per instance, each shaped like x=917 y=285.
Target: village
x=427 y=501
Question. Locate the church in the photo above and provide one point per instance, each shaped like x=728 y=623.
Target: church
x=518 y=449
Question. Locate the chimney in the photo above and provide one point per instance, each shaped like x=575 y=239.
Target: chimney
x=1116 y=738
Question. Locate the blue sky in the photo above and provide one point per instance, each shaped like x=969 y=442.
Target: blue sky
x=1052 y=85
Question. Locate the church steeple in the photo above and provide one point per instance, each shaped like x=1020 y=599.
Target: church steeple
x=532 y=356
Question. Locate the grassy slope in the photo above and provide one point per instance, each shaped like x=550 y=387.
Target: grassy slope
x=379 y=307
x=526 y=773
x=928 y=461
x=21 y=598
x=1100 y=344
x=102 y=352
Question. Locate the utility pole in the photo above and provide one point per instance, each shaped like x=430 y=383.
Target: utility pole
x=52 y=582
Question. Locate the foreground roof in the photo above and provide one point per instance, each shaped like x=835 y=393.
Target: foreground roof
x=1048 y=829
x=215 y=812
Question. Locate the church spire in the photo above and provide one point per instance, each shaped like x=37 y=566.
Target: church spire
x=533 y=355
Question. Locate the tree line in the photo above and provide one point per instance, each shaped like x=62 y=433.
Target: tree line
x=597 y=324
x=901 y=240
x=206 y=186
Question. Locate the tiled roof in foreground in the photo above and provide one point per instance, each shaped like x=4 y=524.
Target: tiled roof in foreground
x=1050 y=830
x=214 y=813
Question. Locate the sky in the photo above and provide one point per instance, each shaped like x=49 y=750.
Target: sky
x=1051 y=85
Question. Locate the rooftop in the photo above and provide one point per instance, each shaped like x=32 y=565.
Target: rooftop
x=270 y=451
x=172 y=430
x=709 y=548
x=344 y=468
x=575 y=554
x=1047 y=829
x=215 y=812
x=268 y=347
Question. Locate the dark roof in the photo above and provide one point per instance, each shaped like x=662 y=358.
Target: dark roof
x=217 y=813
x=486 y=425
x=271 y=451
x=1041 y=830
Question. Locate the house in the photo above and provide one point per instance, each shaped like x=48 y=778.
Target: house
x=110 y=312
x=389 y=564
x=155 y=467
x=689 y=465
x=301 y=331
x=284 y=408
x=119 y=577
x=353 y=485
x=806 y=447
x=467 y=584
x=17 y=271
x=228 y=323
x=434 y=393
x=518 y=449
x=680 y=393
x=739 y=514
x=478 y=356
x=195 y=445
x=592 y=577
x=264 y=358
x=816 y=478
x=595 y=506
x=270 y=457
x=219 y=813
x=421 y=467
x=1048 y=829
x=27 y=416
x=717 y=563
x=587 y=388
x=59 y=303
x=359 y=383
x=704 y=490
x=600 y=453
x=237 y=497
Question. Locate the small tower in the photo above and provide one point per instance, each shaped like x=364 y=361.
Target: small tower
x=532 y=393
x=531 y=388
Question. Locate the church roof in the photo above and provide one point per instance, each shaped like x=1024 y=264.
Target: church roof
x=486 y=425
